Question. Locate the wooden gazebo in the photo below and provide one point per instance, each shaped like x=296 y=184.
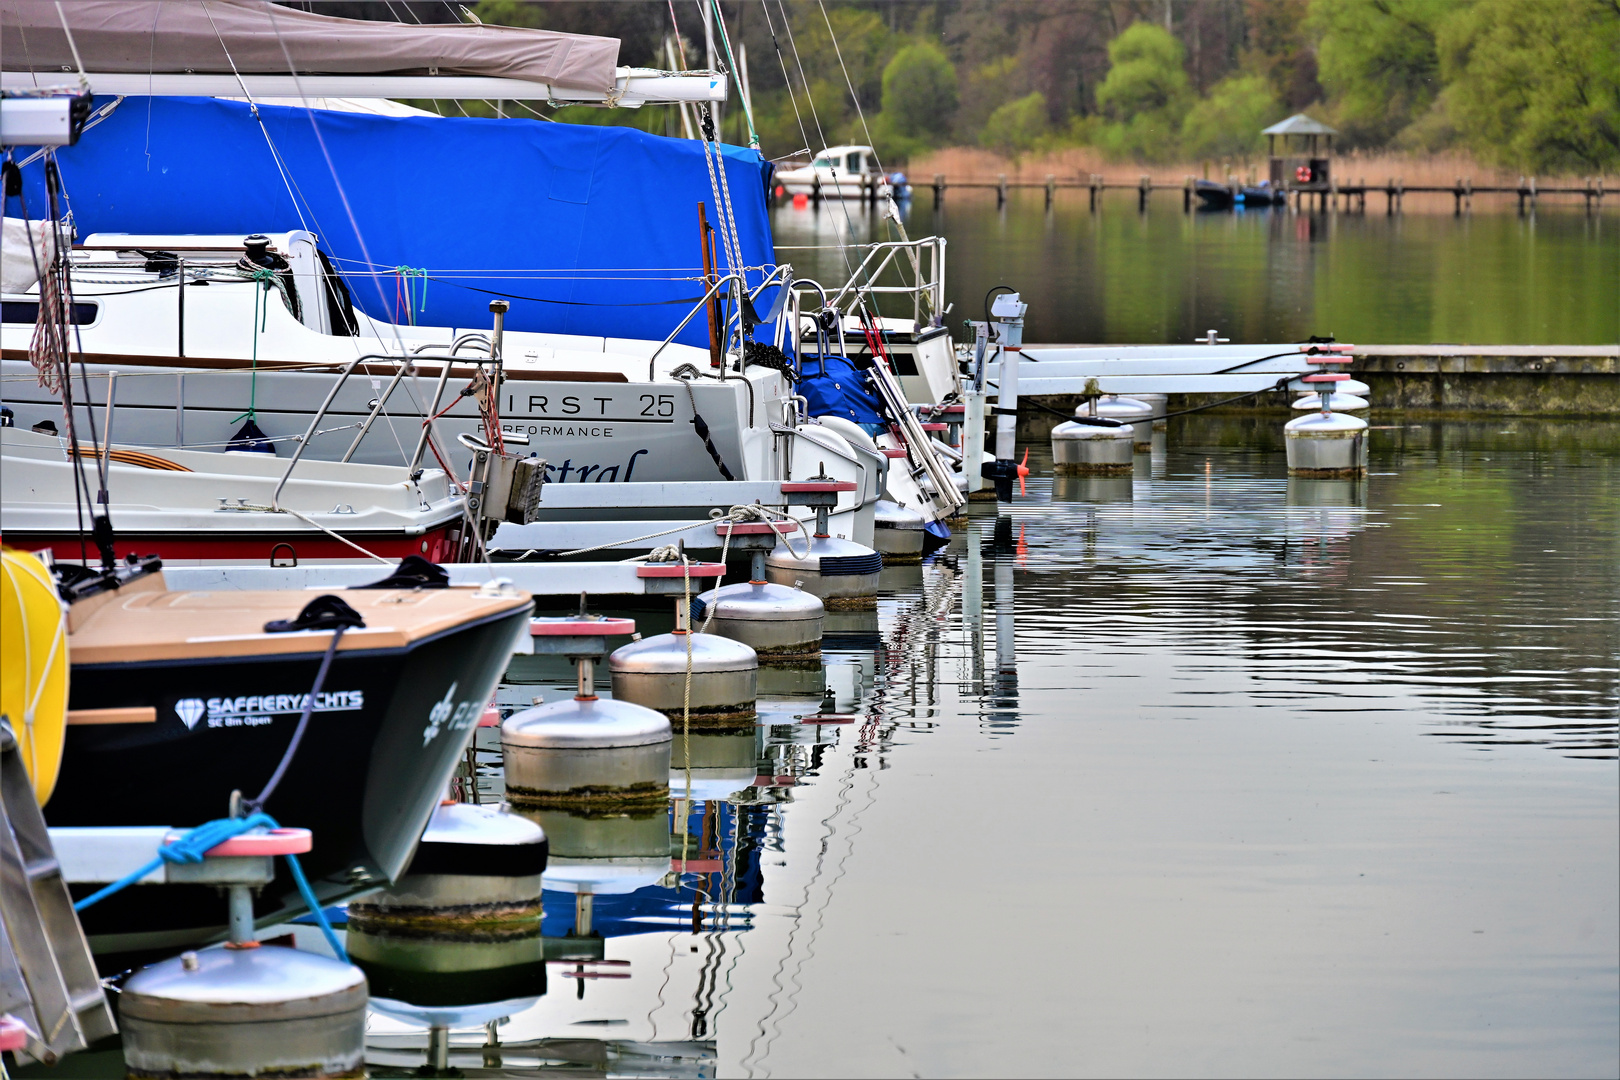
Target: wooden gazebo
x=1306 y=157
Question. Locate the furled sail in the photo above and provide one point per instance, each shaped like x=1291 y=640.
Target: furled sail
x=225 y=37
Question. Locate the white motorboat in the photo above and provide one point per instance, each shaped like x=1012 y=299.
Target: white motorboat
x=838 y=172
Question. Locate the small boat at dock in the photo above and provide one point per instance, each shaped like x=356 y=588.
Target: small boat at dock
x=183 y=703
x=1215 y=196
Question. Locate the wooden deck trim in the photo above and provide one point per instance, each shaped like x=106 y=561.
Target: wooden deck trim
x=136 y=714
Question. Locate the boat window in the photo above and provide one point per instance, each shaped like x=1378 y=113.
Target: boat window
x=27 y=311
x=824 y=163
x=854 y=165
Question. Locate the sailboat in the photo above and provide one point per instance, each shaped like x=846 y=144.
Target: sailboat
x=646 y=343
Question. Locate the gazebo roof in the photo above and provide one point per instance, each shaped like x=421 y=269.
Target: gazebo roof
x=1299 y=124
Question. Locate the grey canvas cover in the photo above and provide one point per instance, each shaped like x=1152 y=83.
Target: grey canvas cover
x=190 y=37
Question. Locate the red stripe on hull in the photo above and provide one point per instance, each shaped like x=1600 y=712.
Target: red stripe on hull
x=432 y=545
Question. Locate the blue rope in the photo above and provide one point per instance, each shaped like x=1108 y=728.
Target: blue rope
x=191 y=848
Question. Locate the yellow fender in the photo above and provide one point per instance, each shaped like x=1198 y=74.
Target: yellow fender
x=33 y=666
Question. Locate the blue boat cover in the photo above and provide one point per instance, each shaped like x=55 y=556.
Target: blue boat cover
x=480 y=205
x=835 y=387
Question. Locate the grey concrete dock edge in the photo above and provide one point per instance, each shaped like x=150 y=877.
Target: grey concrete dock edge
x=1458 y=381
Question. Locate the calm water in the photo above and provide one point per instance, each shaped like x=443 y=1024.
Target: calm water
x=1118 y=276
x=1208 y=772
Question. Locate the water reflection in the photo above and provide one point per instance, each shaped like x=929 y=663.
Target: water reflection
x=1294 y=773
x=1120 y=276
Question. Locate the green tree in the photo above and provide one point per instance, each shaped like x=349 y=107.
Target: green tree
x=1227 y=123
x=919 y=92
x=1379 y=62
x=1145 y=74
x=1018 y=126
x=1145 y=95
x=1536 y=83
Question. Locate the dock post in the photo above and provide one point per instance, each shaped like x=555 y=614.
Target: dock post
x=939 y=190
x=1532 y=194
x=1142 y=189
x=1091 y=184
x=1456 y=199
x=815 y=189
x=1400 y=194
x=1468 y=194
x=1187 y=196
x=1051 y=188
x=1001 y=191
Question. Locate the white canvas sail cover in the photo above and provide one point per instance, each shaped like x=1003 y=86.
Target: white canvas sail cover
x=158 y=37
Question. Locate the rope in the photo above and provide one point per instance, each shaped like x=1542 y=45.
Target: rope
x=194 y=845
x=253 y=108
x=702 y=429
x=686 y=709
x=669 y=552
x=405 y=290
x=765 y=4
x=736 y=77
x=269 y=279
x=1282 y=385
x=850 y=83
x=254 y=805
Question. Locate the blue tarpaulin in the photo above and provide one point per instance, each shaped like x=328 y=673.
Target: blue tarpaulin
x=835 y=387
x=478 y=204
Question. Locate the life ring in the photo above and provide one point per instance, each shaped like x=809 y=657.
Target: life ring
x=33 y=666
x=1303 y=174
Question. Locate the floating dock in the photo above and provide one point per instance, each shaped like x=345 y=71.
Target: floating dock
x=1454 y=381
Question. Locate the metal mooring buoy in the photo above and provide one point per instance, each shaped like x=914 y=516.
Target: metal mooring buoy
x=467 y=911
x=783 y=625
x=1339 y=402
x=1160 y=404
x=1080 y=449
x=586 y=752
x=702 y=681
x=1132 y=411
x=842 y=573
x=898 y=532
x=1326 y=443
x=245 y=1009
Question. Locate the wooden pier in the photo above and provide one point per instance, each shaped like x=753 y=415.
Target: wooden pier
x=1350 y=198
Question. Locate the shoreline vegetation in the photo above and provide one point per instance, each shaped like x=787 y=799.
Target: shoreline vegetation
x=973 y=164
x=1426 y=90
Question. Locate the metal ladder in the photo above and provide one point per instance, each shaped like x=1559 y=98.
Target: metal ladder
x=47 y=978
